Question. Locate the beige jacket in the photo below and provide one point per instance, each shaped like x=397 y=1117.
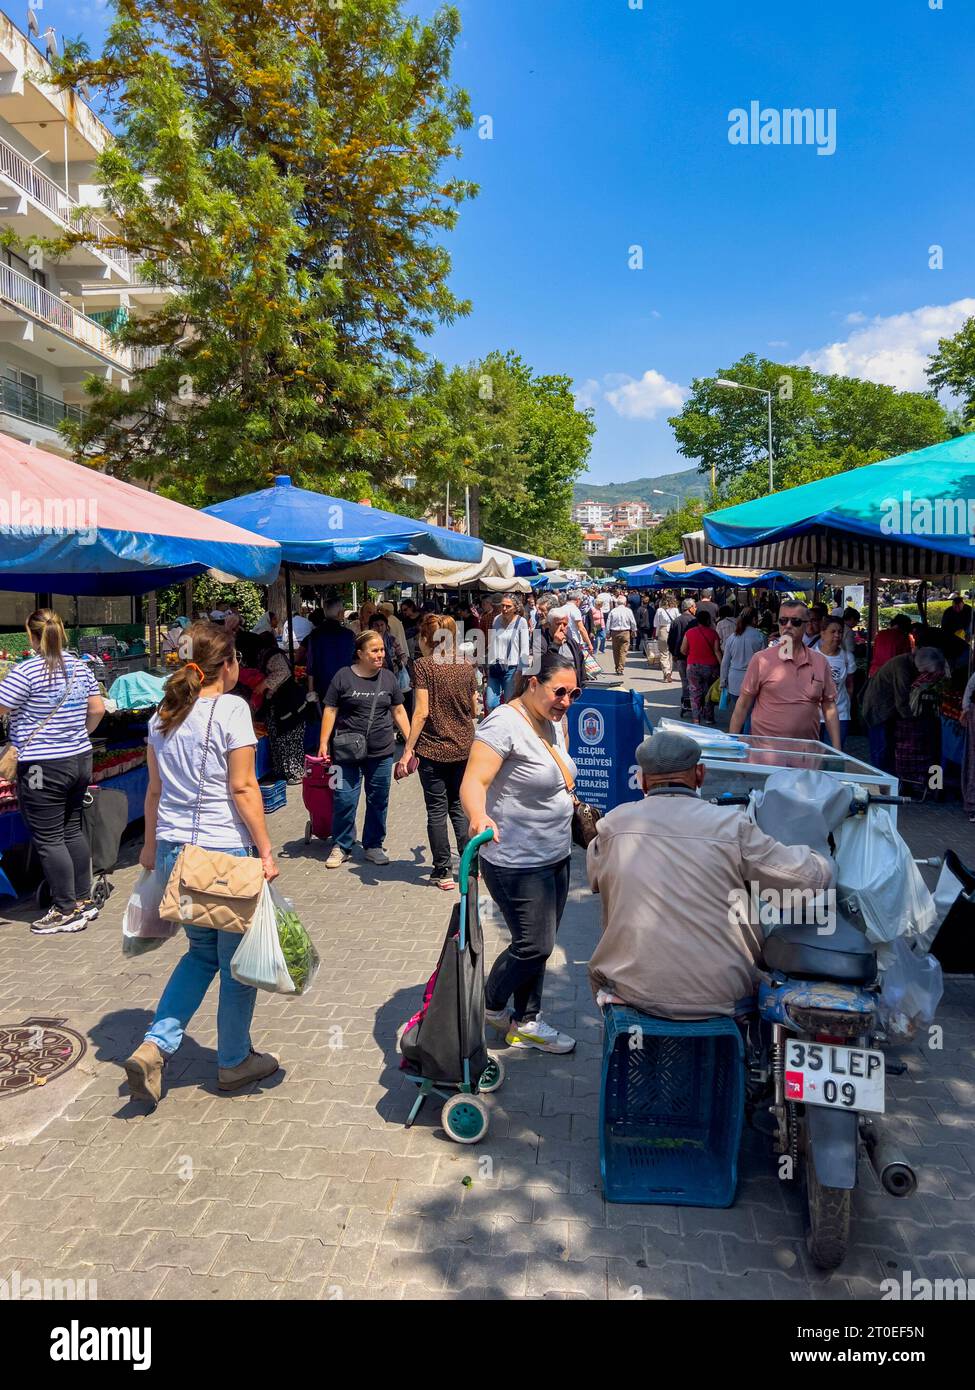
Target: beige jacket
x=675 y=876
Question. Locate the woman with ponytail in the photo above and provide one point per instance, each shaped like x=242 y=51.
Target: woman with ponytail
x=54 y=706
x=203 y=789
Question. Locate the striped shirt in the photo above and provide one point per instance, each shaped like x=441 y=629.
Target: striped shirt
x=31 y=694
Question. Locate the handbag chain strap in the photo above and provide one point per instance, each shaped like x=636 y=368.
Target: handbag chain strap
x=203 y=769
x=567 y=777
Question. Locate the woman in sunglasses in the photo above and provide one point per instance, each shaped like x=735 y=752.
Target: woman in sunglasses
x=516 y=785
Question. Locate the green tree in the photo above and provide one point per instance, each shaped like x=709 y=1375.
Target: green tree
x=516 y=439
x=952 y=368
x=279 y=169
x=665 y=539
x=727 y=430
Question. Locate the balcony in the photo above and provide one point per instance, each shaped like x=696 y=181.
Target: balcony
x=25 y=176
x=35 y=407
x=77 y=329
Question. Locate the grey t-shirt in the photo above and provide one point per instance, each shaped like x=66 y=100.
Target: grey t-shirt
x=528 y=798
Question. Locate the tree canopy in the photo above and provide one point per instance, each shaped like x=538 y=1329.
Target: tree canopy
x=279 y=170
x=818 y=421
x=516 y=438
x=952 y=368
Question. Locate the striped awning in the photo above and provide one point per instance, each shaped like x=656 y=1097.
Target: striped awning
x=829 y=553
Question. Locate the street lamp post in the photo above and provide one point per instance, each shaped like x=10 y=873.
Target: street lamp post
x=740 y=386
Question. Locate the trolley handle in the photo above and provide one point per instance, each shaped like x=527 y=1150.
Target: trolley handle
x=469 y=855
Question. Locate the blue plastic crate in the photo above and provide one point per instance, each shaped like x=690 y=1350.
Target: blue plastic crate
x=274 y=795
x=671 y=1109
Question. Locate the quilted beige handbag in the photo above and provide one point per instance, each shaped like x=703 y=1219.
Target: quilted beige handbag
x=208 y=888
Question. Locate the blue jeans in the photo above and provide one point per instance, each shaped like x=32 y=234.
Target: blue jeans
x=501 y=685
x=210 y=951
x=599 y=639
x=376 y=773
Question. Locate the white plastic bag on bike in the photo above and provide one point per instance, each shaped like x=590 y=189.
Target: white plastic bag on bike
x=876 y=869
x=259 y=960
x=911 y=986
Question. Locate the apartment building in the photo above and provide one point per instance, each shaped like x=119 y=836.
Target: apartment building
x=616 y=516
x=56 y=317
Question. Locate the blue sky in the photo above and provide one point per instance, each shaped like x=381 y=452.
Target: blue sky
x=610 y=130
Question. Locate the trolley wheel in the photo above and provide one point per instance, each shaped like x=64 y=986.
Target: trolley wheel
x=307 y=832
x=465 y=1119
x=492 y=1077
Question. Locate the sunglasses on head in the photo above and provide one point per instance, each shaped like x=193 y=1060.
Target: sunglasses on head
x=795 y=622
x=561 y=691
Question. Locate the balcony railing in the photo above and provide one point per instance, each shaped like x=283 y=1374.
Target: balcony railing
x=42 y=304
x=34 y=406
x=45 y=191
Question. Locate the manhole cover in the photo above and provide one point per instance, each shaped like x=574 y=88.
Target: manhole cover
x=36 y=1051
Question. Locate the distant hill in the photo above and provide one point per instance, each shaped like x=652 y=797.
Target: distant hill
x=688 y=483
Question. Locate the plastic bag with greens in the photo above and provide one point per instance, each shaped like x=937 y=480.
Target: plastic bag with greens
x=296 y=945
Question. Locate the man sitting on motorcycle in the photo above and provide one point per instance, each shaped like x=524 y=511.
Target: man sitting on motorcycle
x=673 y=873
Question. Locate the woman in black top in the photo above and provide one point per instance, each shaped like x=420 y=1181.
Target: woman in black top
x=362 y=704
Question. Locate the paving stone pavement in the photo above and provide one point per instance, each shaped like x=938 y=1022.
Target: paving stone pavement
x=308 y=1186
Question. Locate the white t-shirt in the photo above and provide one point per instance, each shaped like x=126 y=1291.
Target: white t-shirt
x=577 y=627
x=841 y=665
x=180 y=759
x=604 y=601
x=528 y=798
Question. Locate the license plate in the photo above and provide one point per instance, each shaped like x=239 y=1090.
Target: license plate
x=846 y=1078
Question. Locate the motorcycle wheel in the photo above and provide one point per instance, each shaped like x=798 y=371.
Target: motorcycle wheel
x=828 y=1235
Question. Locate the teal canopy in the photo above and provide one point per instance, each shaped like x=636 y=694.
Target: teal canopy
x=924 y=499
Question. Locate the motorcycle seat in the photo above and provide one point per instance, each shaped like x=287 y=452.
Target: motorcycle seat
x=845 y=956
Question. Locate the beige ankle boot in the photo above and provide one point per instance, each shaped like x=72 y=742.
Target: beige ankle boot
x=144 y=1071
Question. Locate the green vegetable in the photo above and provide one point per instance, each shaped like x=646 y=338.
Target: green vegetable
x=300 y=955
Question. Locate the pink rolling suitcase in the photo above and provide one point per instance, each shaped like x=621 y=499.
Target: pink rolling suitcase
x=317 y=794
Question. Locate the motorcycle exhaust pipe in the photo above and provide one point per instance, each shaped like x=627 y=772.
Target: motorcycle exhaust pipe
x=895 y=1173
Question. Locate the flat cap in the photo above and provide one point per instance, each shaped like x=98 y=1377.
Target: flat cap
x=665 y=752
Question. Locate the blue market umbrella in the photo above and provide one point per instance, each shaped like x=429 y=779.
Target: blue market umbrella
x=316 y=531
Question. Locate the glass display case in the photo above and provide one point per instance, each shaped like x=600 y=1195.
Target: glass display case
x=739 y=763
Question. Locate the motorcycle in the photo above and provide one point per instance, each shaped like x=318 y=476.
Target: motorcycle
x=816 y=1049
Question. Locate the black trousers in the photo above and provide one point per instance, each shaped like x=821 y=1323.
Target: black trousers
x=51 y=792
x=441 y=791
x=532 y=901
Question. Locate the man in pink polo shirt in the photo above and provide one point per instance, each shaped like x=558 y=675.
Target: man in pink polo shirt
x=789 y=688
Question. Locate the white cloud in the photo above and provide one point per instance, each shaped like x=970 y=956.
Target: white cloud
x=779 y=342
x=855 y=317
x=893 y=350
x=587 y=394
x=644 y=399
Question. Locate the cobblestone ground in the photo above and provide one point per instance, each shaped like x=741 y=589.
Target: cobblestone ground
x=309 y=1186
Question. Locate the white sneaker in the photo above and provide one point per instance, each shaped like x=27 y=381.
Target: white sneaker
x=536 y=1033
x=376 y=856
x=337 y=858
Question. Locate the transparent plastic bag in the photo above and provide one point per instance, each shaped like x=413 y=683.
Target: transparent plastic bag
x=300 y=955
x=142 y=928
x=259 y=960
x=911 y=986
x=876 y=869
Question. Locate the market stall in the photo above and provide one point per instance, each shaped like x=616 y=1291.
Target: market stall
x=70 y=530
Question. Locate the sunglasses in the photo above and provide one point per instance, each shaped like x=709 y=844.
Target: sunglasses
x=561 y=691
x=794 y=622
